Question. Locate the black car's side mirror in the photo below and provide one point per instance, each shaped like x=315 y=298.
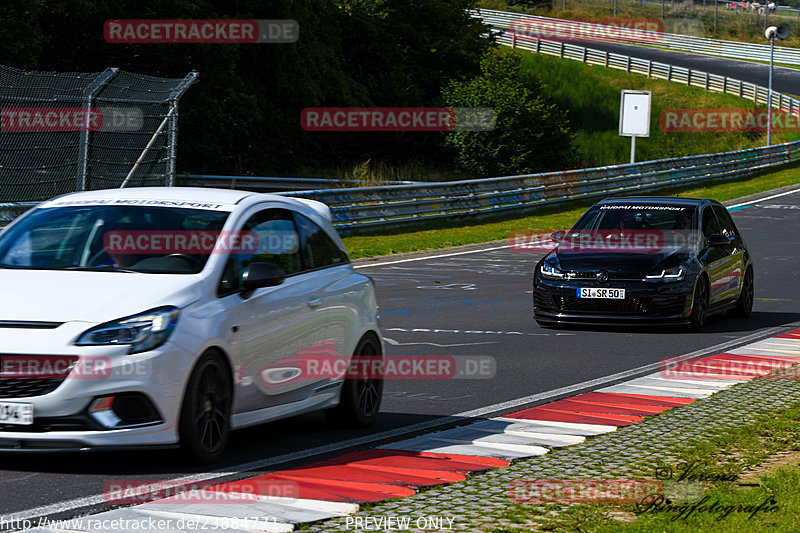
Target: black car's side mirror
x=718 y=239
x=558 y=236
x=257 y=275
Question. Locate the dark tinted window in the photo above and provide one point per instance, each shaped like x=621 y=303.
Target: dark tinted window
x=709 y=222
x=725 y=221
x=319 y=250
x=636 y=217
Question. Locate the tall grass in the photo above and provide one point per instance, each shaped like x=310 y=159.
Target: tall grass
x=592 y=96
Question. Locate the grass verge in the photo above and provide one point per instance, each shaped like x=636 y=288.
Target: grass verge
x=744 y=480
x=591 y=94
x=447 y=233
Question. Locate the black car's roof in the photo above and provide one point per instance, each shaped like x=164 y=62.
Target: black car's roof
x=654 y=200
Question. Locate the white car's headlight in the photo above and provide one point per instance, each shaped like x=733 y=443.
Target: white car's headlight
x=550 y=272
x=675 y=273
x=142 y=332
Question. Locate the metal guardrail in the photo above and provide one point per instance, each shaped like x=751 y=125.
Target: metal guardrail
x=670 y=41
x=396 y=205
x=654 y=69
x=264 y=184
x=371 y=207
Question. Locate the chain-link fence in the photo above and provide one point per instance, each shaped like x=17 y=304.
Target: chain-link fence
x=65 y=132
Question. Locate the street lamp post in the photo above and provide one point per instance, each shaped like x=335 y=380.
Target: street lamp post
x=773 y=33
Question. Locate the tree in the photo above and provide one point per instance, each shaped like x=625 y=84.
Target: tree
x=531 y=134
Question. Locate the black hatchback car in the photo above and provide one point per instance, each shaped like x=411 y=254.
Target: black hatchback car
x=644 y=261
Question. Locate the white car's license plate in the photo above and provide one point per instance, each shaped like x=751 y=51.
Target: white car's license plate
x=16 y=413
x=613 y=294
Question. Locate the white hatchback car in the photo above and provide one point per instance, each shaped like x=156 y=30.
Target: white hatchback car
x=165 y=316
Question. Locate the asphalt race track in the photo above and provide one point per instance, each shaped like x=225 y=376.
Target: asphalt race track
x=785 y=80
x=471 y=304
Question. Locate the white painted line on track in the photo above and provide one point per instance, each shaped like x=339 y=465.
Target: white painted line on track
x=432 y=257
x=785 y=193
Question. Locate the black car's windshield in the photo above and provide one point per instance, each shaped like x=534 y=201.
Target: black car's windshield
x=635 y=227
x=113 y=238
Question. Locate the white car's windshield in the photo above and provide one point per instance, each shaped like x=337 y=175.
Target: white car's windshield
x=112 y=238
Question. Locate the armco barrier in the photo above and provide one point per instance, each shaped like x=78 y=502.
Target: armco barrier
x=264 y=184
x=395 y=205
x=670 y=41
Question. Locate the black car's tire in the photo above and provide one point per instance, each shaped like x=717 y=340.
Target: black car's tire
x=206 y=411
x=700 y=300
x=361 y=395
x=744 y=304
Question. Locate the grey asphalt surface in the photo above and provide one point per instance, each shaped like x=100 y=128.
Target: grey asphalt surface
x=475 y=304
x=785 y=80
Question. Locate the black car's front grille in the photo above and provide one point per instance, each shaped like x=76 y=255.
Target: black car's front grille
x=621 y=276
x=25 y=388
x=542 y=299
x=628 y=306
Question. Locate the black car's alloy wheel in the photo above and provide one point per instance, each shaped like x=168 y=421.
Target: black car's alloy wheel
x=697 y=318
x=361 y=395
x=206 y=411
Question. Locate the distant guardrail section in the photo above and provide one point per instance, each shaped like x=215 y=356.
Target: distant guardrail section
x=653 y=69
x=670 y=41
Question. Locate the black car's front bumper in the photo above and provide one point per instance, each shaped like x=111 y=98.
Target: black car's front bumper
x=645 y=303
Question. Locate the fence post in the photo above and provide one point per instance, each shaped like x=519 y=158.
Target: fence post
x=628 y=67
x=83 y=145
x=689 y=77
x=585 y=51
x=669 y=73
x=725 y=85
x=538 y=45
x=172 y=131
x=561 y=51
x=606 y=59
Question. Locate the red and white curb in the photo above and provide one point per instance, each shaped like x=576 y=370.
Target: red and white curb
x=335 y=487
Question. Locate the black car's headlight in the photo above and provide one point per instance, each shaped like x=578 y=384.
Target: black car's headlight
x=142 y=332
x=548 y=271
x=676 y=273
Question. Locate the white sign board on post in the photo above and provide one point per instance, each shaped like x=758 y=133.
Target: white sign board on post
x=634 y=116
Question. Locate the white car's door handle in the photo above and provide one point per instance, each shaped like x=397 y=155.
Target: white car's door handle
x=314 y=302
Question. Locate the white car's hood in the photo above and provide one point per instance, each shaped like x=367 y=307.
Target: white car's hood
x=63 y=296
